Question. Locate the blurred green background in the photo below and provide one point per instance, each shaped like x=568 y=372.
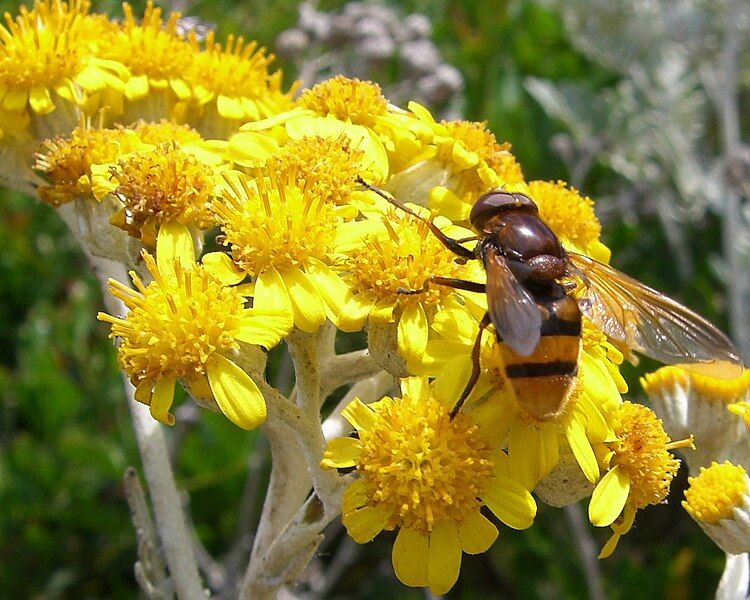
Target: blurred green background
x=65 y=435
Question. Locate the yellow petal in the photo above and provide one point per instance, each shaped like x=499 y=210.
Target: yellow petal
x=136 y=87
x=549 y=449
x=264 y=328
x=15 y=100
x=410 y=557
x=223 y=268
x=456 y=324
x=174 y=242
x=452 y=379
x=359 y=415
x=413 y=331
x=610 y=546
x=249 y=148
x=236 y=393
x=270 y=292
x=477 y=534
x=40 y=100
x=364 y=524
x=341 y=453
x=511 y=502
x=582 y=449
x=229 y=108
x=415 y=388
x=524 y=452
x=448 y=204
x=444 y=561
x=354 y=312
x=331 y=288
x=609 y=497
x=162 y=399
x=307 y=306
x=355 y=496
x=180 y=89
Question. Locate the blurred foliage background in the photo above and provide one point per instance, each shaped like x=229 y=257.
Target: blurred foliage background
x=571 y=112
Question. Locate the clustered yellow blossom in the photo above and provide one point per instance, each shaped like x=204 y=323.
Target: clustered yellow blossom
x=196 y=142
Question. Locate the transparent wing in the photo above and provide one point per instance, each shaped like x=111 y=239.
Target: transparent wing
x=512 y=310
x=654 y=324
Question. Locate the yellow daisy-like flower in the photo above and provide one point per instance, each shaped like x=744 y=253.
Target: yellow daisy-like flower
x=156 y=55
x=380 y=271
x=66 y=161
x=338 y=106
x=187 y=325
x=161 y=185
x=48 y=54
x=285 y=236
x=534 y=432
x=231 y=84
x=693 y=404
x=719 y=501
x=427 y=475
x=640 y=471
x=570 y=216
x=462 y=161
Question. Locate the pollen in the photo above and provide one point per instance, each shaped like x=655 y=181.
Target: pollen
x=566 y=212
x=270 y=222
x=66 y=162
x=642 y=450
x=329 y=166
x=152 y=47
x=43 y=47
x=174 y=324
x=715 y=492
x=405 y=260
x=422 y=464
x=162 y=185
x=165 y=131
x=478 y=141
x=358 y=101
x=238 y=75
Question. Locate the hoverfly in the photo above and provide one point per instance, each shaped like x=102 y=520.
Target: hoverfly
x=531 y=280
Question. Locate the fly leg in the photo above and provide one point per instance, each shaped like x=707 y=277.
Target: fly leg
x=459 y=284
x=452 y=245
x=475 y=367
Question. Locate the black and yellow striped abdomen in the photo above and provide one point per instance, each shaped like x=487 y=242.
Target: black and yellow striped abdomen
x=542 y=381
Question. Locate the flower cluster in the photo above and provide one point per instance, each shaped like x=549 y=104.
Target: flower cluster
x=152 y=139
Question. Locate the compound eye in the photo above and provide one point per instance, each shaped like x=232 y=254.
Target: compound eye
x=495 y=202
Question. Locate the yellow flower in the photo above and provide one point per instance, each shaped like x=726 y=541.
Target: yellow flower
x=157 y=57
x=379 y=271
x=231 y=84
x=741 y=409
x=570 y=216
x=428 y=475
x=533 y=441
x=161 y=185
x=66 y=161
x=286 y=237
x=719 y=500
x=693 y=404
x=640 y=471
x=187 y=325
x=48 y=54
x=336 y=107
x=462 y=161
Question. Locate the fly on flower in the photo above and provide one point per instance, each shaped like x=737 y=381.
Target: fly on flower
x=537 y=292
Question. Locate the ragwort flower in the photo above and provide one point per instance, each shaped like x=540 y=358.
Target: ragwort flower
x=386 y=266
x=283 y=235
x=719 y=501
x=48 y=63
x=693 y=404
x=427 y=475
x=640 y=471
x=157 y=57
x=187 y=325
x=335 y=107
x=581 y=420
x=159 y=185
